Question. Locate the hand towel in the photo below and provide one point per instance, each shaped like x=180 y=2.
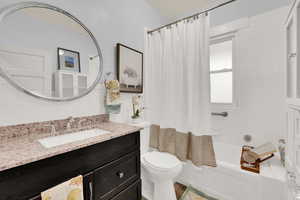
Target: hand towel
x=69 y=190
x=113 y=101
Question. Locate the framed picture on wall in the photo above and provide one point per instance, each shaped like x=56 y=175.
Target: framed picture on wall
x=68 y=60
x=130 y=69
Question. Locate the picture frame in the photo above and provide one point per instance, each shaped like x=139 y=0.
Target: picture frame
x=68 y=60
x=130 y=63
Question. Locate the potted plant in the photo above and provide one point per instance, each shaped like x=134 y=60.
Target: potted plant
x=136 y=108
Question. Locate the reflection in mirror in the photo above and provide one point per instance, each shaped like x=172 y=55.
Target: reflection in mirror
x=48 y=53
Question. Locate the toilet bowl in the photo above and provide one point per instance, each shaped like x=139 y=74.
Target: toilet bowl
x=158 y=169
x=161 y=169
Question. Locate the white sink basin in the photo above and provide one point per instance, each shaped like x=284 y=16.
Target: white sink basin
x=71 y=137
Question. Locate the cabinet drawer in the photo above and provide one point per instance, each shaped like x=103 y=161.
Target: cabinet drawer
x=116 y=176
x=133 y=192
x=88 y=186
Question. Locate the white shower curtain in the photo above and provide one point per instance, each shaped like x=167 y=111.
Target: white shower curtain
x=177 y=77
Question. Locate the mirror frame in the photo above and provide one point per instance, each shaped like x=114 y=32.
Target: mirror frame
x=6 y=11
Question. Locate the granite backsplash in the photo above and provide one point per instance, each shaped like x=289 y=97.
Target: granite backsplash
x=45 y=128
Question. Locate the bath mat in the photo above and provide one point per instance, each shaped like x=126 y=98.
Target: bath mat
x=188 y=193
x=194 y=194
x=179 y=189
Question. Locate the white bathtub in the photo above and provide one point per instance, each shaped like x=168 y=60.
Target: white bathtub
x=229 y=182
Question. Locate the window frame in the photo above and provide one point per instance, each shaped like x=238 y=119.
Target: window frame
x=226 y=106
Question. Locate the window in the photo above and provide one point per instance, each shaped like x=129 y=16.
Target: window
x=221 y=70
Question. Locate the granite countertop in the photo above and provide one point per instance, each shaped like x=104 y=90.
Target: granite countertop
x=24 y=150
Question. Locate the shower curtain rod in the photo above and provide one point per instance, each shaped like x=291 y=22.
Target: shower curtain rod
x=197 y=14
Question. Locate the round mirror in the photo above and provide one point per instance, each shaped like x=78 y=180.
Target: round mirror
x=48 y=53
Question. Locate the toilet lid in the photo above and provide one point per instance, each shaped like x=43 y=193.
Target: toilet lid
x=161 y=161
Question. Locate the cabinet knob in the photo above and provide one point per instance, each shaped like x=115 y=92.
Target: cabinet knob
x=121 y=174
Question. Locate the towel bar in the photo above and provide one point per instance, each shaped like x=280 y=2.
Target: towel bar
x=223 y=114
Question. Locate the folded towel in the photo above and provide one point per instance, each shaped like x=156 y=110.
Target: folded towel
x=248 y=157
x=69 y=190
x=262 y=151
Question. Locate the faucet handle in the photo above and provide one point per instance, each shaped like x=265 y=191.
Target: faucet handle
x=53 y=128
x=80 y=122
x=70 y=121
x=70 y=118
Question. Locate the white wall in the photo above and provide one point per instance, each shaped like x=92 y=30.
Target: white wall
x=260 y=64
x=111 y=21
x=244 y=8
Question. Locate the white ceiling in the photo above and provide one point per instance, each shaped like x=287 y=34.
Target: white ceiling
x=177 y=8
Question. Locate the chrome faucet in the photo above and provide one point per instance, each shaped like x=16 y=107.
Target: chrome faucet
x=80 y=122
x=53 y=129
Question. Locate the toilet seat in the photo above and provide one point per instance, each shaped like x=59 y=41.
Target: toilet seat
x=161 y=161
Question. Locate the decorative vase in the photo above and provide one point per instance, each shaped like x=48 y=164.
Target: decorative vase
x=136 y=120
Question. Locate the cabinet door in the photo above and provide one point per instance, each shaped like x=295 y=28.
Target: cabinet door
x=291 y=70
x=36 y=198
x=131 y=193
x=68 y=85
x=88 y=186
x=110 y=179
x=297 y=141
x=81 y=84
x=290 y=153
x=293 y=151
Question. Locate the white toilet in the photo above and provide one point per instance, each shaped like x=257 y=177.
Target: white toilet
x=158 y=168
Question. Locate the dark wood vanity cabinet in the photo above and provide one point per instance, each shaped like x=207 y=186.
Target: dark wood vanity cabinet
x=110 y=170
